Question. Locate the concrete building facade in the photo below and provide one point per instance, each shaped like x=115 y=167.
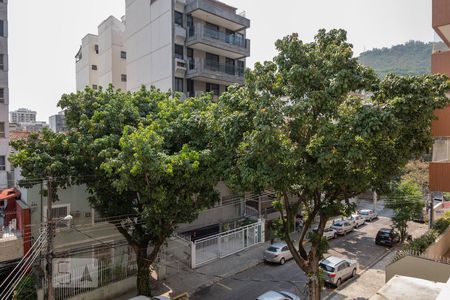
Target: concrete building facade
x=57 y=122
x=440 y=64
x=188 y=46
x=22 y=115
x=4 y=96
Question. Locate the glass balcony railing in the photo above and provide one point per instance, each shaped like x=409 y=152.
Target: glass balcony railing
x=213 y=66
x=232 y=39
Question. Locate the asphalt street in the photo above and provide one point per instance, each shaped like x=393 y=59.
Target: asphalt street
x=358 y=245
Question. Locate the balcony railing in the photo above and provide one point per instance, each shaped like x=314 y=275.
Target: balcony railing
x=230 y=42
x=212 y=8
x=200 y=65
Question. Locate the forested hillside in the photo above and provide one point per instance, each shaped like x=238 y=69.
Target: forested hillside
x=411 y=58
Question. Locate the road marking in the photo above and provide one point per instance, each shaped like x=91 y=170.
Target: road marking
x=224 y=286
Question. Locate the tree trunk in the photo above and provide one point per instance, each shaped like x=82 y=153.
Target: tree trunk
x=143 y=275
x=314 y=287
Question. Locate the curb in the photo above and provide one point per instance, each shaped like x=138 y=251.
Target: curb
x=346 y=283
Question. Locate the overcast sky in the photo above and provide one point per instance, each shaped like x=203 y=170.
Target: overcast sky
x=45 y=35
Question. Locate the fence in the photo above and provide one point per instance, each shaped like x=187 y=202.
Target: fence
x=75 y=280
x=223 y=244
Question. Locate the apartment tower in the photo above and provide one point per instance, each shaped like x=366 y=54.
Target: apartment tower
x=440 y=63
x=189 y=46
x=4 y=92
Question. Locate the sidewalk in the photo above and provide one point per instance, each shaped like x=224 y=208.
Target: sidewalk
x=180 y=278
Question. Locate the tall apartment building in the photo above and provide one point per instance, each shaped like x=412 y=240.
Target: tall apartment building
x=22 y=115
x=440 y=63
x=190 y=46
x=57 y=122
x=4 y=95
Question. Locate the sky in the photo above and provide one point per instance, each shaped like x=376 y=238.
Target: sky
x=45 y=35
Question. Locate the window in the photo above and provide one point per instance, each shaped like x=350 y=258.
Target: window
x=190 y=87
x=285 y=248
x=94 y=67
x=123 y=55
x=178 y=18
x=59 y=211
x=211 y=87
x=240 y=67
x=179 y=84
x=2 y=130
x=2 y=95
x=190 y=57
x=190 y=25
x=179 y=51
x=2 y=28
x=94 y=86
x=2 y=62
x=96 y=49
x=229 y=66
x=123 y=77
x=2 y=163
x=212 y=31
x=212 y=62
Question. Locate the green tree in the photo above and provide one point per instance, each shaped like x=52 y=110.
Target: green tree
x=302 y=126
x=407 y=201
x=145 y=155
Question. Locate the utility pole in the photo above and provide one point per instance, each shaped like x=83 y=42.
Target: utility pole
x=50 y=233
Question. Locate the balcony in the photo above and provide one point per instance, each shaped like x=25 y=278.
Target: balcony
x=180 y=34
x=217 y=13
x=213 y=41
x=214 y=72
x=441 y=19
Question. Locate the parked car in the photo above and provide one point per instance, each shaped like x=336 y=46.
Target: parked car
x=328 y=233
x=342 y=227
x=386 y=236
x=338 y=269
x=368 y=214
x=277 y=253
x=281 y=295
x=356 y=220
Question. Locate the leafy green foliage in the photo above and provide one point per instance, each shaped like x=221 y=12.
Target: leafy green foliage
x=407 y=201
x=26 y=289
x=420 y=244
x=411 y=58
x=145 y=157
x=319 y=128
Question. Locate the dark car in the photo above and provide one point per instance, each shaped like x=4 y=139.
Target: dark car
x=386 y=236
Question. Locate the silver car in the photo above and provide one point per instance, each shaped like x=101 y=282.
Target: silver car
x=338 y=269
x=356 y=220
x=342 y=227
x=281 y=295
x=368 y=214
x=277 y=253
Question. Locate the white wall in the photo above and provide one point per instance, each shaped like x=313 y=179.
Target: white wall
x=85 y=75
x=149 y=41
x=4 y=142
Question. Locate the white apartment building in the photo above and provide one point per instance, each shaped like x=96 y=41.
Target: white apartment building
x=4 y=96
x=190 y=46
x=22 y=115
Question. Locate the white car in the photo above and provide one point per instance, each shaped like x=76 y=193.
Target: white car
x=356 y=220
x=368 y=214
x=342 y=227
x=281 y=295
x=338 y=269
x=328 y=233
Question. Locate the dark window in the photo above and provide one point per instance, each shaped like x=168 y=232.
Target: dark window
x=212 y=62
x=123 y=55
x=179 y=84
x=326 y=267
x=94 y=86
x=190 y=87
x=178 y=18
x=2 y=163
x=239 y=40
x=212 y=87
x=179 y=52
x=240 y=67
x=2 y=28
x=2 y=95
x=2 y=129
x=212 y=31
x=285 y=248
x=2 y=62
x=229 y=66
x=123 y=77
x=190 y=25
x=94 y=67
x=96 y=49
x=229 y=36
x=190 y=57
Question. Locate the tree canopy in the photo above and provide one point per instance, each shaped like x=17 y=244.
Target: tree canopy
x=319 y=128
